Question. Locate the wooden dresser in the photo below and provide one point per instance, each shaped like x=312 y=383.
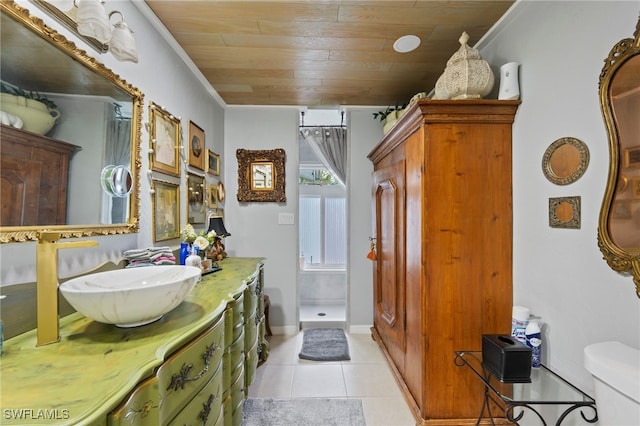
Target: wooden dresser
x=443 y=275
x=34 y=174
x=193 y=366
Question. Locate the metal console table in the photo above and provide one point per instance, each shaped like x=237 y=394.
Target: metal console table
x=545 y=388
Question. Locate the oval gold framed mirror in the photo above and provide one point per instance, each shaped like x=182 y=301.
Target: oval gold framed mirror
x=619 y=223
x=100 y=120
x=565 y=161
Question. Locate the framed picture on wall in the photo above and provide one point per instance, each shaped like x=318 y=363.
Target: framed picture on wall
x=632 y=156
x=212 y=192
x=196 y=146
x=213 y=163
x=261 y=175
x=196 y=208
x=164 y=133
x=635 y=188
x=166 y=210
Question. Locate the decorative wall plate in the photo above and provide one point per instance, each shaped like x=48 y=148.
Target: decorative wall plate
x=565 y=161
x=564 y=212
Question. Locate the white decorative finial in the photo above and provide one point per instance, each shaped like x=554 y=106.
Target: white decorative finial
x=464 y=38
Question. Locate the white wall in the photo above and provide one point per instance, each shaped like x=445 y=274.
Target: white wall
x=560 y=273
x=254 y=226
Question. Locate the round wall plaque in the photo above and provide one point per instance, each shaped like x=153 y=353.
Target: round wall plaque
x=565 y=161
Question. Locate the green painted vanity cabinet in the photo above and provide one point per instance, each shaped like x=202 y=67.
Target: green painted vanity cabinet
x=192 y=367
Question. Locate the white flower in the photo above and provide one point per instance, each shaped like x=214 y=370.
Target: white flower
x=188 y=233
x=202 y=243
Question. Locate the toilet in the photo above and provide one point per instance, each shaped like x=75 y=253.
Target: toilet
x=615 y=368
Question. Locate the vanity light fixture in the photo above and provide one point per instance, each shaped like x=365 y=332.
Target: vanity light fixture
x=93 y=21
x=406 y=43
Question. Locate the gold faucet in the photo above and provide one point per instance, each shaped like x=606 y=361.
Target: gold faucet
x=47 y=284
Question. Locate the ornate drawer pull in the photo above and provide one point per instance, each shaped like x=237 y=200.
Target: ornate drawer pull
x=180 y=379
x=206 y=409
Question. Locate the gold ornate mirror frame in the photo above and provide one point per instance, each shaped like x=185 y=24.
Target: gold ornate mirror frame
x=261 y=175
x=565 y=161
x=619 y=228
x=27 y=233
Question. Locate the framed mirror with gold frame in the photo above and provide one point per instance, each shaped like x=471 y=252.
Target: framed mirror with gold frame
x=619 y=222
x=261 y=175
x=35 y=57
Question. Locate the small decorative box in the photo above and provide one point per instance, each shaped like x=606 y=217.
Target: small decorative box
x=506 y=358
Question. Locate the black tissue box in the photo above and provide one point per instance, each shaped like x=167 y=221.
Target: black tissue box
x=506 y=358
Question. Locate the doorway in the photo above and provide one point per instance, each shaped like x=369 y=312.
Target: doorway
x=322 y=221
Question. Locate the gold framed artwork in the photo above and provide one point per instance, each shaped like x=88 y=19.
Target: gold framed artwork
x=221 y=192
x=166 y=210
x=196 y=208
x=197 y=149
x=212 y=195
x=632 y=156
x=261 y=175
x=213 y=163
x=564 y=212
x=165 y=140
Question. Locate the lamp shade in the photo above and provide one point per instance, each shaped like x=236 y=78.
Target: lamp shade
x=93 y=21
x=216 y=224
x=122 y=44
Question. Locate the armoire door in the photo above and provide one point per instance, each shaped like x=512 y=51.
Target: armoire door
x=389 y=274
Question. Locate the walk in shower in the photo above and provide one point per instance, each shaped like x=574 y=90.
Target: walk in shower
x=322 y=277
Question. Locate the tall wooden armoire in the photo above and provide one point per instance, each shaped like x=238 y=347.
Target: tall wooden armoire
x=443 y=274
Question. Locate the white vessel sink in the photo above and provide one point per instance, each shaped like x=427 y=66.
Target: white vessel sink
x=131 y=297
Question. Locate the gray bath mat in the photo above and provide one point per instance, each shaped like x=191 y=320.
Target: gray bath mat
x=303 y=412
x=324 y=344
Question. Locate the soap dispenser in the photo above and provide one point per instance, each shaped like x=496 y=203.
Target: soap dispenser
x=194 y=258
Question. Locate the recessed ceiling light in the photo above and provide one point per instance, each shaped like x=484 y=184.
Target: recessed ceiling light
x=406 y=43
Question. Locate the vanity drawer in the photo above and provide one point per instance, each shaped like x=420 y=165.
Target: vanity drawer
x=250 y=331
x=184 y=374
x=141 y=407
x=234 y=320
x=232 y=405
x=237 y=401
x=251 y=364
x=205 y=408
x=236 y=356
x=251 y=296
x=233 y=361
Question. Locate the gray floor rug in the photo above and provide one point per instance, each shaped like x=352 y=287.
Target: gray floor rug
x=324 y=344
x=303 y=412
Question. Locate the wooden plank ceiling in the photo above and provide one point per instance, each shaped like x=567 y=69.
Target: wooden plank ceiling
x=322 y=53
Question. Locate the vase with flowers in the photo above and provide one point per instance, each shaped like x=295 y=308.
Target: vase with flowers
x=205 y=241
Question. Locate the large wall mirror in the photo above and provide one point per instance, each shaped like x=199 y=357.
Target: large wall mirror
x=97 y=119
x=619 y=225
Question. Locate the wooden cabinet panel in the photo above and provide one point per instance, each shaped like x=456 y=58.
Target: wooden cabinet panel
x=442 y=194
x=389 y=283
x=34 y=175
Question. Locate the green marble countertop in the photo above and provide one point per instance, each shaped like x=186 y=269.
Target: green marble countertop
x=94 y=366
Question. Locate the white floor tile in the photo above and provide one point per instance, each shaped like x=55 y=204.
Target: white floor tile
x=387 y=411
x=366 y=376
x=323 y=380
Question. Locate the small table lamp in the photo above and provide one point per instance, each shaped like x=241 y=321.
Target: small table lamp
x=216 y=224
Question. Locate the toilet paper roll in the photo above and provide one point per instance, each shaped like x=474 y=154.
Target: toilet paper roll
x=519 y=321
x=520 y=313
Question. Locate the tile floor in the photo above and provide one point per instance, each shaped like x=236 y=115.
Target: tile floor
x=366 y=376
